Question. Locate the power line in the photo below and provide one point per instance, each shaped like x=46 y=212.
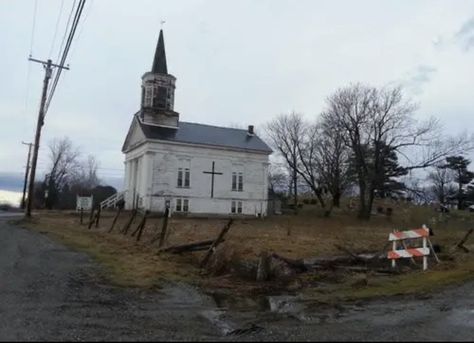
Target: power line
x=88 y=10
x=46 y=100
x=72 y=32
x=33 y=28
x=56 y=28
x=65 y=31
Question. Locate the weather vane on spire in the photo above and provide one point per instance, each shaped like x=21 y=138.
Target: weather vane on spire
x=162 y=22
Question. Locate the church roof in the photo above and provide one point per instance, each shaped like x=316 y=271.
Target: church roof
x=159 y=62
x=202 y=134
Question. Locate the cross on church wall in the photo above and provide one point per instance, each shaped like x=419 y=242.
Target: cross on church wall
x=212 y=172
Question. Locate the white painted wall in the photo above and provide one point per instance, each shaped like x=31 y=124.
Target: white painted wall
x=158 y=170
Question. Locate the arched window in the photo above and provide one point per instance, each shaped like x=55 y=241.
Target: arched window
x=148 y=100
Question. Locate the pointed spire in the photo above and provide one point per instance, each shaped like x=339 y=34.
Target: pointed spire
x=159 y=62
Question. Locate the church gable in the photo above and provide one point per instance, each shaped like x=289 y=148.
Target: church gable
x=134 y=137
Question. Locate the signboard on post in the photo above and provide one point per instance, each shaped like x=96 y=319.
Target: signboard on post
x=84 y=203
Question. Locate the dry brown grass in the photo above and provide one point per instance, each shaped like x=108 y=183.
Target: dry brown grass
x=305 y=235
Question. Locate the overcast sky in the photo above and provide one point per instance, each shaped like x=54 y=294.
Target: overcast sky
x=236 y=62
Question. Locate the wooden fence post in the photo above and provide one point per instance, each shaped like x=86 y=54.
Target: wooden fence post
x=216 y=243
x=97 y=216
x=91 y=221
x=164 y=227
x=82 y=215
x=115 y=220
x=142 y=226
x=127 y=225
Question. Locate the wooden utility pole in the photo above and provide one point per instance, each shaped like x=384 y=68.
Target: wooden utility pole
x=27 y=171
x=48 y=65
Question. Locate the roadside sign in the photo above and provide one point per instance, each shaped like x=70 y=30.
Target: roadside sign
x=84 y=203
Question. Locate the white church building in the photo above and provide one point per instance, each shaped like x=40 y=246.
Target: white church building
x=189 y=167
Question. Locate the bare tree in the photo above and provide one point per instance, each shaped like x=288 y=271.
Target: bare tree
x=332 y=160
x=442 y=179
x=373 y=119
x=277 y=178
x=89 y=178
x=285 y=133
x=64 y=167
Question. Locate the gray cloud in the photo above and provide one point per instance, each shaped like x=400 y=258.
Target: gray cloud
x=465 y=36
x=416 y=79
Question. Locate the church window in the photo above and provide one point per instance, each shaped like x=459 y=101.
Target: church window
x=236 y=206
x=160 y=97
x=182 y=205
x=237 y=181
x=148 y=96
x=184 y=178
x=180 y=177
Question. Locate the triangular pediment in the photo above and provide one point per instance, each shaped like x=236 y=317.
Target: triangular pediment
x=135 y=136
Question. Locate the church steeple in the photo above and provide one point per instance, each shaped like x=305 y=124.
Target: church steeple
x=158 y=91
x=159 y=62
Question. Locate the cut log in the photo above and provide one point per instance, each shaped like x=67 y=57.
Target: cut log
x=177 y=249
x=218 y=241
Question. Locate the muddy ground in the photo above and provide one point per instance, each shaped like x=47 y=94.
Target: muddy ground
x=48 y=292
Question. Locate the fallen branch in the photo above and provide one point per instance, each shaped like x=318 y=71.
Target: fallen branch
x=297 y=264
x=460 y=244
x=358 y=257
x=177 y=249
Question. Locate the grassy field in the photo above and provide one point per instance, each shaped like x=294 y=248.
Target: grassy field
x=306 y=235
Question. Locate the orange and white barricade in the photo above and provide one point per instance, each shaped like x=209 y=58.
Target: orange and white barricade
x=400 y=237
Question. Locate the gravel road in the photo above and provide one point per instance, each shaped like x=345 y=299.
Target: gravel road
x=48 y=292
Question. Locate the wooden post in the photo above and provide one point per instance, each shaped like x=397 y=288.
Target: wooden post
x=115 y=220
x=97 y=216
x=434 y=252
x=394 y=247
x=425 y=258
x=91 y=215
x=142 y=226
x=164 y=228
x=127 y=225
x=91 y=221
x=82 y=214
x=264 y=264
x=216 y=243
